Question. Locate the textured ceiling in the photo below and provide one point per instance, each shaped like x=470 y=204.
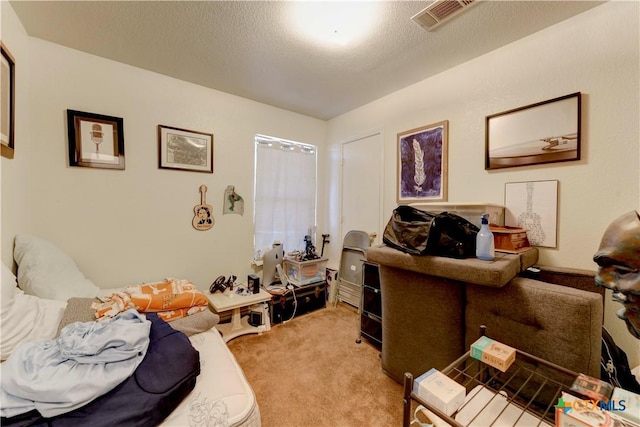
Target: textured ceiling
x=248 y=48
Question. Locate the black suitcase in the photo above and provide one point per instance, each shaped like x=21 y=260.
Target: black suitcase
x=300 y=300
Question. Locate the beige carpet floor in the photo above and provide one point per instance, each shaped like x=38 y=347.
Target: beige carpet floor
x=311 y=372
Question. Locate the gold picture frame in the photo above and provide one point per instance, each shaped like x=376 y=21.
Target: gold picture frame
x=8 y=99
x=422 y=164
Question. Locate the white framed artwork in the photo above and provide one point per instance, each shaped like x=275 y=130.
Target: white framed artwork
x=533 y=205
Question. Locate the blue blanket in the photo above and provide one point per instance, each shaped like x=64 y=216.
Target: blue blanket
x=86 y=361
x=165 y=377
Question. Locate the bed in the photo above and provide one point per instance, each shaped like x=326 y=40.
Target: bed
x=53 y=293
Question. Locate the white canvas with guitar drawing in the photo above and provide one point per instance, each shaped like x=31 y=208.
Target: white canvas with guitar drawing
x=533 y=205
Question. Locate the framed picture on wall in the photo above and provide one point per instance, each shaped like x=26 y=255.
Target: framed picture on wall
x=544 y=132
x=533 y=205
x=185 y=149
x=8 y=97
x=422 y=164
x=95 y=140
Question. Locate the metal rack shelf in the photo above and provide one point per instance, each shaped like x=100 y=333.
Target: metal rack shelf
x=526 y=394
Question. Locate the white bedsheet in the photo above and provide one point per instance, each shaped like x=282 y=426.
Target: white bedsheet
x=222 y=396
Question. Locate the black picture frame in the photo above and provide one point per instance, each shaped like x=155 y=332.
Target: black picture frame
x=184 y=149
x=543 y=132
x=95 y=140
x=8 y=99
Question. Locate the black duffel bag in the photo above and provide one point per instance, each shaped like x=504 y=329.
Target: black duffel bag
x=408 y=230
x=419 y=232
x=453 y=236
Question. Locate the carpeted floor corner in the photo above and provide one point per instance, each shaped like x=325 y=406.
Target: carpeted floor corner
x=311 y=372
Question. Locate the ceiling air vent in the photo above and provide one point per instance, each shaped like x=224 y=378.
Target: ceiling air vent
x=440 y=11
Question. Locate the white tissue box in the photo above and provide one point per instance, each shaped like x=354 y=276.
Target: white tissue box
x=439 y=390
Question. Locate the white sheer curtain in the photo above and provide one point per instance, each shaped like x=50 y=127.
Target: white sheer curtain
x=285 y=193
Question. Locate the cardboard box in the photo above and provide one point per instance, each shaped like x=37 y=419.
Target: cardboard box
x=573 y=411
x=592 y=388
x=590 y=418
x=493 y=353
x=439 y=390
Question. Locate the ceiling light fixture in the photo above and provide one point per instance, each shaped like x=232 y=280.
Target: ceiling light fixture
x=334 y=23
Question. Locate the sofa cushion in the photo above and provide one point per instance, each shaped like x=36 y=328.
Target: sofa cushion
x=556 y=323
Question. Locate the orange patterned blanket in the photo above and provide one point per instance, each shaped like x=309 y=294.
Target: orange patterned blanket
x=171 y=299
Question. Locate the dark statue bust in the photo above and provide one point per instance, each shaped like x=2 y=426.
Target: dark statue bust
x=618 y=260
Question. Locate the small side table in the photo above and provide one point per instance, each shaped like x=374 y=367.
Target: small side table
x=239 y=325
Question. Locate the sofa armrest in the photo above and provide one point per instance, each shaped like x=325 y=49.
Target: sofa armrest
x=556 y=323
x=571 y=277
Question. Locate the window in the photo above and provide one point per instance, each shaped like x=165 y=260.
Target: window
x=285 y=193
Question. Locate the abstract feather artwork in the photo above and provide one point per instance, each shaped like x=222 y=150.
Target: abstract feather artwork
x=422 y=164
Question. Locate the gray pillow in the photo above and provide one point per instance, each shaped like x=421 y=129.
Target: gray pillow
x=196 y=323
x=79 y=310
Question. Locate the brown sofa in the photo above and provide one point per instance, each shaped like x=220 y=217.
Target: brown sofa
x=432 y=309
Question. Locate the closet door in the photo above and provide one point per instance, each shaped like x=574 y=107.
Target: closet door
x=361 y=185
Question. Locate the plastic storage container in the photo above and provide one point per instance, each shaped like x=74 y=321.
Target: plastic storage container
x=302 y=273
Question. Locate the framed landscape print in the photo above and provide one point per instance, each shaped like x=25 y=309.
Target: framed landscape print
x=544 y=132
x=185 y=149
x=8 y=96
x=422 y=164
x=95 y=140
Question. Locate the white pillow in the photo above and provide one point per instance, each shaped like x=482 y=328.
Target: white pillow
x=28 y=319
x=48 y=272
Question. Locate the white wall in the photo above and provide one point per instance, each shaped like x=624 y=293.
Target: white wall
x=15 y=173
x=125 y=227
x=135 y=225
x=595 y=53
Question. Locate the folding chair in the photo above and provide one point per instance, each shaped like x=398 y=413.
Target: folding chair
x=349 y=286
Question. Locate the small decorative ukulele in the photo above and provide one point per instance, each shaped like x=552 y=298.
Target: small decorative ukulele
x=203 y=217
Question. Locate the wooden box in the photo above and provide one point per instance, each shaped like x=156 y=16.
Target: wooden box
x=510 y=239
